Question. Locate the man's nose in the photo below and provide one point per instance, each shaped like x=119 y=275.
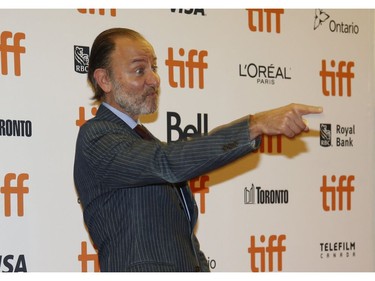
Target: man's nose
x=153 y=79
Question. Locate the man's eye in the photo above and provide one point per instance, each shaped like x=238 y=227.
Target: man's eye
x=155 y=68
x=140 y=71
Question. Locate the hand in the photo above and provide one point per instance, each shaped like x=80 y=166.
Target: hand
x=286 y=120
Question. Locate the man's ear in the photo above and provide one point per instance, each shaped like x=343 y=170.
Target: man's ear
x=102 y=78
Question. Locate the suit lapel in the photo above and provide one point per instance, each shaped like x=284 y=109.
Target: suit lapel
x=104 y=114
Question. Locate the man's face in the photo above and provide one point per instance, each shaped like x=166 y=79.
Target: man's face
x=134 y=78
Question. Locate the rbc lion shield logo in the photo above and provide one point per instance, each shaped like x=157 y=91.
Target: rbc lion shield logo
x=81 y=59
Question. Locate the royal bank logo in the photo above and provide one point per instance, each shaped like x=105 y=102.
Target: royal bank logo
x=323 y=19
x=337 y=135
x=325 y=135
x=81 y=59
x=336 y=250
x=259 y=195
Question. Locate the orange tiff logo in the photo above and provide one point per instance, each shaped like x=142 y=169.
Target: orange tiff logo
x=330 y=191
x=336 y=78
x=270 y=144
x=100 y=11
x=18 y=189
x=82 y=115
x=198 y=185
x=15 y=48
x=85 y=258
x=194 y=61
x=258 y=13
x=266 y=252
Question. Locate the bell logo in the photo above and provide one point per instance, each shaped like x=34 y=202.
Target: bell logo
x=16 y=49
x=198 y=185
x=344 y=72
x=100 y=11
x=82 y=115
x=19 y=190
x=263 y=253
x=344 y=186
x=190 y=64
x=85 y=258
x=174 y=124
x=268 y=14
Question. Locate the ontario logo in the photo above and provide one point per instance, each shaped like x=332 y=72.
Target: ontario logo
x=322 y=18
x=81 y=59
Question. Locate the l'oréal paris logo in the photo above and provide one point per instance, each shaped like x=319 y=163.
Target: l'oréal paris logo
x=264 y=74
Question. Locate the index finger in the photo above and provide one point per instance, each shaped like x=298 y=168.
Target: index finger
x=304 y=109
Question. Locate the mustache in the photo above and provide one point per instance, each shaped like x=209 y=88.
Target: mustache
x=152 y=90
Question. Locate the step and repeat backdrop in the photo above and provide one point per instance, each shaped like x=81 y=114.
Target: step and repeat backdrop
x=303 y=204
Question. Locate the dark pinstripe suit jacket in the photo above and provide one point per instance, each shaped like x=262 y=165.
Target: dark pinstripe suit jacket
x=128 y=191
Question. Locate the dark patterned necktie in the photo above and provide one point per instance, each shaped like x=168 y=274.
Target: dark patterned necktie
x=143 y=132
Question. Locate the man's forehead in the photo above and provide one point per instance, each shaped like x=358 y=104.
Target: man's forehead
x=134 y=46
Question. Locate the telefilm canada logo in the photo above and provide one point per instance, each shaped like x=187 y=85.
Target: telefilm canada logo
x=337 y=135
x=323 y=19
x=259 y=195
x=337 y=250
x=81 y=59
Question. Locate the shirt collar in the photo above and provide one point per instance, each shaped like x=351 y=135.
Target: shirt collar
x=124 y=117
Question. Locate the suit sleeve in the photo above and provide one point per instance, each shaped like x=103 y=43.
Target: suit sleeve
x=120 y=158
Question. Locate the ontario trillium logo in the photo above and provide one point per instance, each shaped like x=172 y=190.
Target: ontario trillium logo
x=320 y=18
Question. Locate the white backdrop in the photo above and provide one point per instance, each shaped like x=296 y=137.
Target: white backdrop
x=305 y=204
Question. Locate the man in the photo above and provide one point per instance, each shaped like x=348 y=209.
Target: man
x=137 y=206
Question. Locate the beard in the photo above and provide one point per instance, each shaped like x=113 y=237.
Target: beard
x=135 y=104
